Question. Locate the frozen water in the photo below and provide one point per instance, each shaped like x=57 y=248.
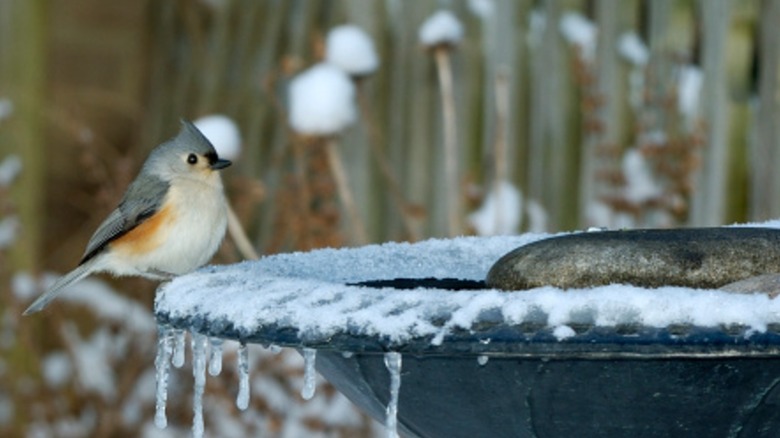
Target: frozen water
x=199 y=348
x=215 y=356
x=351 y=49
x=57 y=369
x=242 y=399
x=310 y=291
x=443 y=27
x=223 y=134
x=179 y=344
x=484 y=9
x=482 y=359
x=393 y=364
x=500 y=212
x=162 y=366
x=309 y=374
x=322 y=101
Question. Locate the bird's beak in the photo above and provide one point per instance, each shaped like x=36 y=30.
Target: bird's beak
x=220 y=164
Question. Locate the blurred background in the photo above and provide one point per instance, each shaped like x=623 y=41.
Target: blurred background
x=538 y=116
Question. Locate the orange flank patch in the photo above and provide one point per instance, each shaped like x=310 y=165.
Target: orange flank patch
x=147 y=236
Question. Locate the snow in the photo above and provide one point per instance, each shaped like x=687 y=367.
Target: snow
x=57 y=369
x=441 y=28
x=581 y=32
x=308 y=291
x=689 y=85
x=640 y=183
x=483 y=9
x=322 y=101
x=223 y=133
x=500 y=212
x=10 y=168
x=633 y=49
x=349 y=48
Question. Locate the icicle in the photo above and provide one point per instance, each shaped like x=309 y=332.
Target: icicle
x=179 y=338
x=199 y=344
x=215 y=356
x=482 y=359
x=161 y=364
x=309 y=375
x=242 y=400
x=393 y=364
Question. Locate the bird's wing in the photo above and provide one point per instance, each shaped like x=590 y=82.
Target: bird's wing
x=142 y=200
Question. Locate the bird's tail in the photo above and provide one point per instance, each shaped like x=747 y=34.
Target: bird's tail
x=73 y=276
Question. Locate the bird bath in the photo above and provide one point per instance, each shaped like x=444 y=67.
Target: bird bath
x=412 y=336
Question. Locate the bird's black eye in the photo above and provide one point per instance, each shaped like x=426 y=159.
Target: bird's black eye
x=192 y=158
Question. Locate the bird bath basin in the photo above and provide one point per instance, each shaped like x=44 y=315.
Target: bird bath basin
x=612 y=360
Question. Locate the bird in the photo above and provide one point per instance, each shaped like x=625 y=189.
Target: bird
x=170 y=221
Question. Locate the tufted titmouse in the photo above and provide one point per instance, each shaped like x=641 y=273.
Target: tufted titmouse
x=170 y=221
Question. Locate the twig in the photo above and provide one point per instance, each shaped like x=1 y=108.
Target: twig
x=345 y=194
x=239 y=236
x=444 y=70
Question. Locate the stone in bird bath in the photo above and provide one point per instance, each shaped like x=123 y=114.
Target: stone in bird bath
x=690 y=257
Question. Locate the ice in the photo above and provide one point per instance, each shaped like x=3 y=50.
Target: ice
x=223 y=134
x=482 y=359
x=322 y=101
x=443 y=27
x=162 y=365
x=349 y=48
x=215 y=356
x=179 y=343
x=309 y=374
x=393 y=364
x=242 y=399
x=311 y=292
x=581 y=32
x=500 y=212
x=199 y=350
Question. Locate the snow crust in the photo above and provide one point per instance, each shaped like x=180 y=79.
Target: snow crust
x=349 y=48
x=308 y=291
x=441 y=28
x=633 y=49
x=322 y=101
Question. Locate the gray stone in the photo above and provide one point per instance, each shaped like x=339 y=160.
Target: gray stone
x=690 y=257
x=768 y=284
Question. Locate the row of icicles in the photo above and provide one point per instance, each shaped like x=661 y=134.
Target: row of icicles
x=171 y=345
